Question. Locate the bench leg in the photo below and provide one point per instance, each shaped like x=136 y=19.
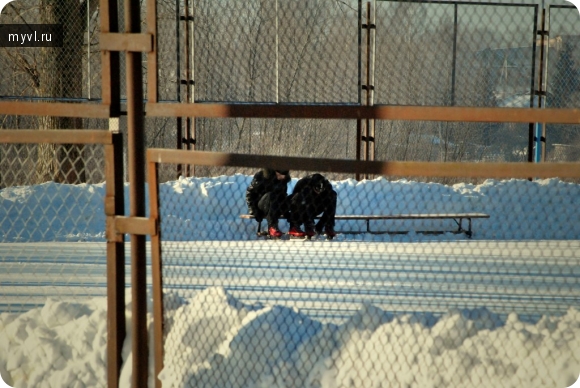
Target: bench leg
x=461 y=230
x=460 y=226
x=459 y=223
x=469 y=230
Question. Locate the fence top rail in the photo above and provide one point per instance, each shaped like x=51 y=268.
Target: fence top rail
x=522 y=170
x=57 y=109
x=60 y=136
x=379 y=112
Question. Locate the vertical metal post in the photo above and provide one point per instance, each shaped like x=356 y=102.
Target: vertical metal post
x=454 y=65
x=178 y=120
x=533 y=88
x=277 y=58
x=540 y=136
x=156 y=274
x=369 y=136
x=367 y=85
x=372 y=48
x=359 y=87
x=110 y=69
x=114 y=206
x=544 y=90
x=88 y=50
x=193 y=132
x=136 y=166
x=187 y=81
x=114 y=200
x=189 y=138
x=152 y=73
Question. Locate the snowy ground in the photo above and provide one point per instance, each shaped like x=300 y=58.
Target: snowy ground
x=365 y=310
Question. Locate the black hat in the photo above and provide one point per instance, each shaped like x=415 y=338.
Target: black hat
x=283 y=172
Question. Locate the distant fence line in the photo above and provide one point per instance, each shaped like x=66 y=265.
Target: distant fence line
x=326 y=52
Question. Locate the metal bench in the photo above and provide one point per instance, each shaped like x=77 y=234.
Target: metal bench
x=457 y=217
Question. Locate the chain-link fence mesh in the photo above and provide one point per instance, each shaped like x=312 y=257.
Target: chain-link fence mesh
x=52 y=239
x=563 y=81
x=24 y=164
x=410 y=303
x=70 y=72
x=415 y=53
x=421 y=53
x=413 y=303
x=453 y=53
x=53 y=265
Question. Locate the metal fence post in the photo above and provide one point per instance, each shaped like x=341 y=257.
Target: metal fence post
x=136 y=166
x=156 y=265
x=114 y=206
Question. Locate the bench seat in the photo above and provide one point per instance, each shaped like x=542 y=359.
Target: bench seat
x=457 y=217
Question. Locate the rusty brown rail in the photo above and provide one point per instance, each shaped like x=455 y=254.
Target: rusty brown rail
x=379 y=112
x=61 y=136
x=417 y=169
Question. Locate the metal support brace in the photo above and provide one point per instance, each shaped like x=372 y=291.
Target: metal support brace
x=119 y=225
x=460 y=229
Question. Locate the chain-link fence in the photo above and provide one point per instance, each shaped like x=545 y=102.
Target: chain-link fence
x=53 y=260
x=70 y=72
x=416 y=53
x=52 y=234
x=399 y=302
x=562 y=80
x=430 y=280
x=413 y=53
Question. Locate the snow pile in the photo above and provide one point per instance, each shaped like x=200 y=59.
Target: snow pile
x=215 y=340
x=274 y=346
x=59 y=345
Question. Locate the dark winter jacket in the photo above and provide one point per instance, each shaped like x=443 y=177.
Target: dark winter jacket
x=306 y=186
x=313 y=195
x=265 y=181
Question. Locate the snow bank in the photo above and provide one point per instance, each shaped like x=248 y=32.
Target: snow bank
x=64 y=345
x=209 y=208
x=274 y=346
x=59 y=345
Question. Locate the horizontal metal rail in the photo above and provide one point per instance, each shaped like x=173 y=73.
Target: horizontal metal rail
x=58 y=109
x=418 y=169
x=126 y=42
x=303 y=111
x=59 y=136
x=378 y=112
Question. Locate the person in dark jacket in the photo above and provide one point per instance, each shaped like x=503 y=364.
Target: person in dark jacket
x=267 y=197
x=313 y=195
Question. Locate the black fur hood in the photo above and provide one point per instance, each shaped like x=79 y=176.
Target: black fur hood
x=271 y=174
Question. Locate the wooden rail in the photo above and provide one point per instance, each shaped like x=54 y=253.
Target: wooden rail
x=418 y=169
x=378 y=112
x=59 y=109
x=59 y=136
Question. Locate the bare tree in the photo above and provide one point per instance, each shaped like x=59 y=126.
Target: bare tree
x=54 y=73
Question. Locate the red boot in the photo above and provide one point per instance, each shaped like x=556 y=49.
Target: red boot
x=274 y=232
x=295 y=231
